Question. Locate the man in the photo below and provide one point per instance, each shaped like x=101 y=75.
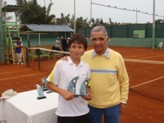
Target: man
x=109 y=79
x=64 y=44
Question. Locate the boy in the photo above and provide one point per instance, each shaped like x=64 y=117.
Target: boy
x=71 y=75
x=18 y=50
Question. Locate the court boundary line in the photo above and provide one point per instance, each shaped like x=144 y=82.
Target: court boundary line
x=157 y=56
x=15 y=71
x=138 y=56
x=144 y=61
x=150 y=81
x=21 y=76
x=143 y=56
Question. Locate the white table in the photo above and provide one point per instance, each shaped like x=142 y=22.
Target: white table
x=26 y=108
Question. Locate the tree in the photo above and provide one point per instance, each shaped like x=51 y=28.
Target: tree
x=61 y=20
x=51 y=19
x=21 y=2
x=68 y=18
x=33 y=13
x=82 y=23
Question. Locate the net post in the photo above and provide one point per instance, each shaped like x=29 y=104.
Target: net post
x=39 y=60
x=27 y=58
x=38 y=52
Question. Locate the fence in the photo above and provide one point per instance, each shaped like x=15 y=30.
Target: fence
x=127 y=31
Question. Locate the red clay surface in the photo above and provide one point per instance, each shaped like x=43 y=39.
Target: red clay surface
x=147 y=78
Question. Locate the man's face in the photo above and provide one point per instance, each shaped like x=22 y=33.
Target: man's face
x=99 y=42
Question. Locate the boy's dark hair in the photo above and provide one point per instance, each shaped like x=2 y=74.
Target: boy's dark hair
x=78 y=38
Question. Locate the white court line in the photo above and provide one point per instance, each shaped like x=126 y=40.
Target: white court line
x=147 y=82
x=151 y=57
x=144 y=61
x=21 y=76
x=14 y=71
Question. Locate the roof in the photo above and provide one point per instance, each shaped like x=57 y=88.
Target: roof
x=49 y=28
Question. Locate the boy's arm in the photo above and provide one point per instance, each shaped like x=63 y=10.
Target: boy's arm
x=66 y=94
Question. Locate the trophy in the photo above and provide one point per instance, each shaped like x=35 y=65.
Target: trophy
x=78 y=87
x=40 y=92
x=44 y=86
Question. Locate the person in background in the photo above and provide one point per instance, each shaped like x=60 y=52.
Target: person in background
x=64 y=44
x=68 y=40
x=57 y=45
x=71 y=108
x=18 y=49
x=109 y=81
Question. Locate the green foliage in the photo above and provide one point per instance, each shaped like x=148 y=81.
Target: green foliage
x=81 y=23
x=32 y=13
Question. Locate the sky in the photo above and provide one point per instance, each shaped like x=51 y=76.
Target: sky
x=83 y=9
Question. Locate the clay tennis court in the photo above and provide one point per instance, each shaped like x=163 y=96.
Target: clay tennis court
x=146 y=72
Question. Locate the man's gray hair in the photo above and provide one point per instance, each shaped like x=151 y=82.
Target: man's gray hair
x=99 y=29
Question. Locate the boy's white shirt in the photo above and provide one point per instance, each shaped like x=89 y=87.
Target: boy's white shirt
x=63 y=73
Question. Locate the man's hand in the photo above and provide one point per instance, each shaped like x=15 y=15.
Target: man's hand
x=123 y=107
x=87 y=97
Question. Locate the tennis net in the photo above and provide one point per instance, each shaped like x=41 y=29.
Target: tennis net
x=146 y=77
x=42 y=58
